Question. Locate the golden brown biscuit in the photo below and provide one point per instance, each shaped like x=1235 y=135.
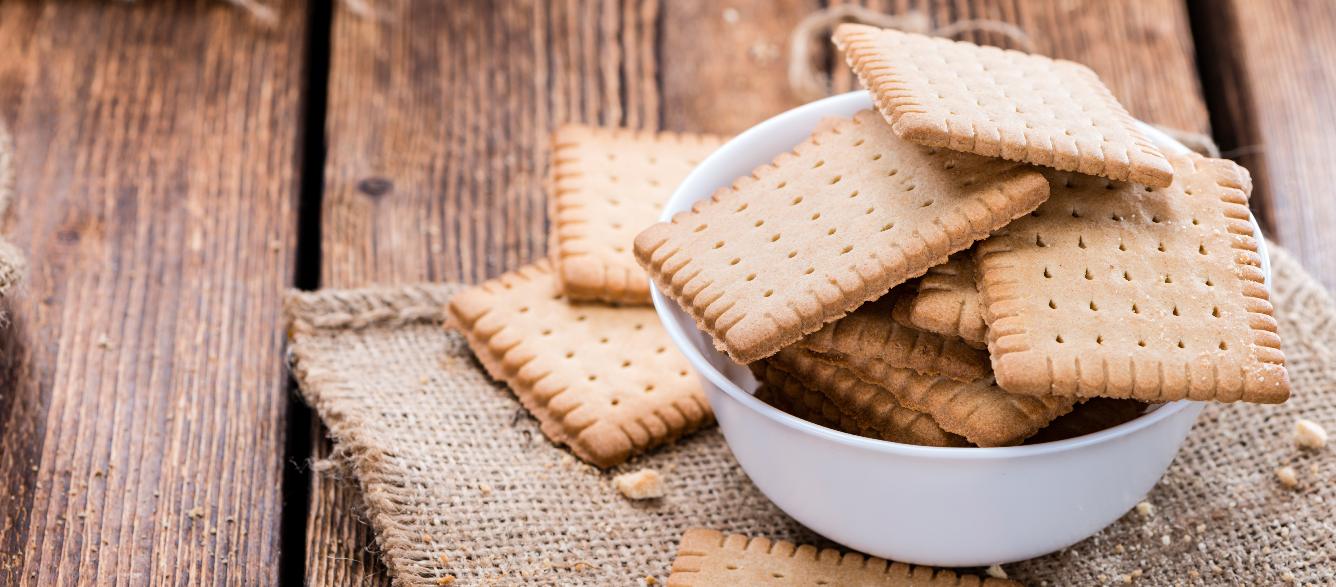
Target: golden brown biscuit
x=841 y=219
x=603 y=380
x=608 y=184
x=1120 y=290
x=709 y=558
x=1000 y=103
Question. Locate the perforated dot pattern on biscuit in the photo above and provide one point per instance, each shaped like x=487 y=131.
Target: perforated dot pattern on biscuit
x=597 y=377
x=1122 y=302
x=806 y=255
x=607 y=185
x=1001 y=103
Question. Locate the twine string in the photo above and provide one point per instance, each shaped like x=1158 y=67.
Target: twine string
x=806 y=77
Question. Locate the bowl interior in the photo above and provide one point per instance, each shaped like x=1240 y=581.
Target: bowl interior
x=758 y=146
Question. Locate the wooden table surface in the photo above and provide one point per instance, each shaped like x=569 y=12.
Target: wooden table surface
x=179 y=165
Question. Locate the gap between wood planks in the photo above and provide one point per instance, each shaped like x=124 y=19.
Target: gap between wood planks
x=1228 y=101
x=306 y=276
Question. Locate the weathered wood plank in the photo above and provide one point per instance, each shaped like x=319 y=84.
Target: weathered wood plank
x=465 y=161
x=438 y=126
x=1271 y=73
x=1143 y=50
x=144 y=395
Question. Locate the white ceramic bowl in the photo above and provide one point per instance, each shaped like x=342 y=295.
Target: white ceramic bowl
x=925 y=505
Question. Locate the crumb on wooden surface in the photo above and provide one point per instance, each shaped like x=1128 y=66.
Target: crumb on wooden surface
x=996 y=572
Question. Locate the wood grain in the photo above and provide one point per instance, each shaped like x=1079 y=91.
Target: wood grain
x=144 y=392
x=1273 y=84
x=437 y=149
x=438 y=127
x=1143 y=50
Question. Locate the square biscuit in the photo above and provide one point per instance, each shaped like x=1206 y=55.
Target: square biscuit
x=603 y=380
x=946 y=302
x=870 y=332
x=606 y=185
x=1119 y=290
x=709 y=557
x=868 y=405
x=1001 y=103
x=845 y=216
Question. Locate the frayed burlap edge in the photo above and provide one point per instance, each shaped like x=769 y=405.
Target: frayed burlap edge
x=13 y=265
x=356 y=451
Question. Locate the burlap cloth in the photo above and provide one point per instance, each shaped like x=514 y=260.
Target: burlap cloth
x=449 y=464
x=12 y=263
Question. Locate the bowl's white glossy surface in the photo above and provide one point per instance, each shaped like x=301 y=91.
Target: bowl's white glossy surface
x=925 y=505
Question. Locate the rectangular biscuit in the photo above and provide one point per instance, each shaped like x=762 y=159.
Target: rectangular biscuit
x=868 y=405
x=845 y=216
x=1000 y=103
x=979 y=411
x=946 y=302
x=870 y=332
x=897 y=425
x=1120 y=290
x=606 y=185
x=709 y=557
x=603 y=380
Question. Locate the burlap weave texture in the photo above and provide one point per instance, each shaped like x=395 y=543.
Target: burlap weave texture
x=449 y=464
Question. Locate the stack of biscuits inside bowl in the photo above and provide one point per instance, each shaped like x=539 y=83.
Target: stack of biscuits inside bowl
x=995 y=246
x=995 y=254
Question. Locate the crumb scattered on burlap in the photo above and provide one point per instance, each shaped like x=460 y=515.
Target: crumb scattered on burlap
x=996 y=572
x=642 y=484
x=1287 y=477
x=1146 y=509
x=1309 y=434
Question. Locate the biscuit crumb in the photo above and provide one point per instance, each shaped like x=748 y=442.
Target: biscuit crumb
x=445 y=559
x=642 y=484
x=485 y=489
x=1309 y=434
x=1287 y=477
x=651 y=581
x=1118 y=548
x=1146 y=509
x=426 y=537
x=446 y=580
x=996 y=572
x=1288 y=577
x=581 y=566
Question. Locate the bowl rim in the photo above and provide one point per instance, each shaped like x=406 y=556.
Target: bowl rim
x=665 y=310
